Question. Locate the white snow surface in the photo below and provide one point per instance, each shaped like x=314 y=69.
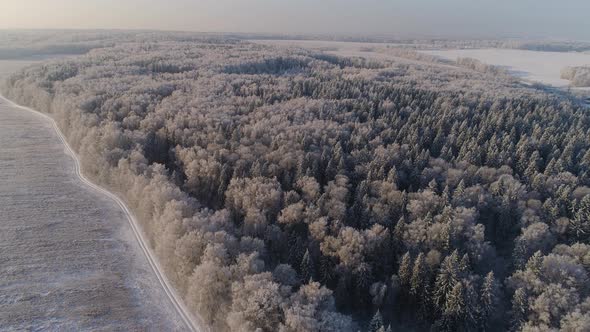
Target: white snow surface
x=533 y=66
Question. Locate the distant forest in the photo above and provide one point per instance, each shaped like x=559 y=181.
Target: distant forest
x=287 y=190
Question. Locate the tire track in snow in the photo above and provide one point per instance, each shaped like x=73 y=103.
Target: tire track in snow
x=194 y=324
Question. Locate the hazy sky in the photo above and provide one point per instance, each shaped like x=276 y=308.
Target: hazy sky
x=487 y=18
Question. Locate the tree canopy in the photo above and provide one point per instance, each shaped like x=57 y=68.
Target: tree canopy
x=286 y=190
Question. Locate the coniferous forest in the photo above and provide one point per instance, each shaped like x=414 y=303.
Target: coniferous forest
x=290 y=190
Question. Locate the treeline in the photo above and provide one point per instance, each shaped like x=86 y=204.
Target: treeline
x=579 y=76
x=40 y=44
x=292 y=191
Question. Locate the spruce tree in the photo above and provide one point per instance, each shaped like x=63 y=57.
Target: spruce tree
x=464 y=265
x=472 y=305
x=307 y=268
x=418 y=278
x=392 y=176
x=489 y=295
x=405 y=271
x=376 y=322
x=519 y=309
x=580 y=224
x=398 y=235
x=455 y=302
x=535 y=262
x=432 y=185
x=446 y=279
x=326 y=272
x=446 y=194
x=458 y=193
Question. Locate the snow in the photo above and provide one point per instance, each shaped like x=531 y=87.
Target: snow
x=534 y=66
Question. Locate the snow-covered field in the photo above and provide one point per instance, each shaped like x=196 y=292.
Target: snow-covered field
x=69 y=260
x=542 y=67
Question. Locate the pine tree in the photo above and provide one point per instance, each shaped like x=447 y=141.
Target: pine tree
x=296 y=250
x=358 y=208
x=428 y=219
x=446 y=194
x=331 y=169
x=551 y=168
x=301 y=167
x=342 y=166
x=472 y=307
x=256 y=169
x=489 y=295
x=341 y=293
x=362 y=190
x=376 y=322
x=519 y=309
x=405 y=271
x=458 y=193
x=418 y=280
x=580 y=224
x=464 y=265
x=433 y=186
x=538 y=183
x=446 y=279
x=364 y=277
x=224 y=179
x=447 y=215
x=533 y=166
x=455 y=303
x=392 y=176
x=446 y=236
x=307 y=268
x=505 y=224
x=550 y=210
x=365 y=220
x=398 y=235
x=535 y=262
x=326 y=270
x=564 y=200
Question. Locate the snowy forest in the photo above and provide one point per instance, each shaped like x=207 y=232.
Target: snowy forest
x=290 y=190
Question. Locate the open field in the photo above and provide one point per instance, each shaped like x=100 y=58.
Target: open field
x=542 y=67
